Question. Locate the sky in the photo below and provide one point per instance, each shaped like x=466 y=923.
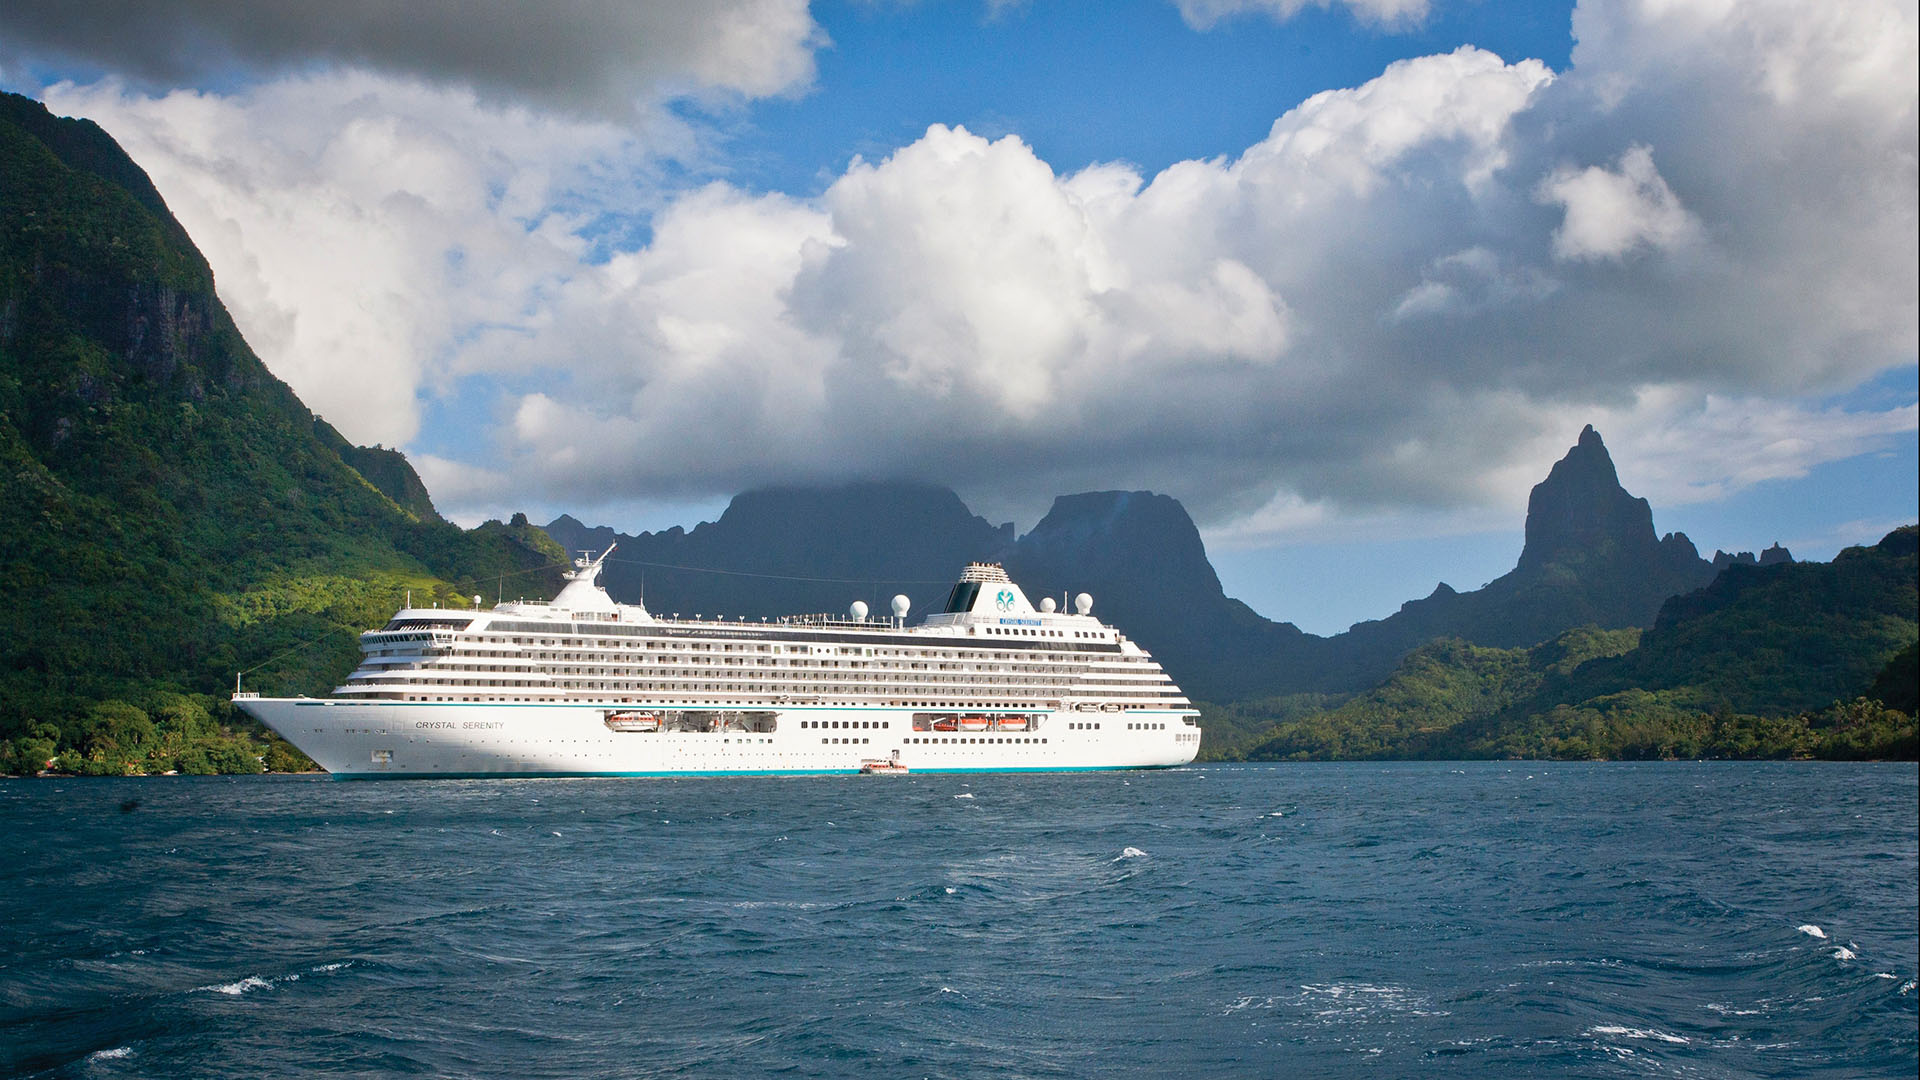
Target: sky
x=1345 y=277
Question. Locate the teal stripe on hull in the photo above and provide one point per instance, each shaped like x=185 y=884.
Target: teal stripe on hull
x=725 y=772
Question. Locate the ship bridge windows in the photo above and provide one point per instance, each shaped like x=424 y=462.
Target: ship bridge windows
x=962 y=597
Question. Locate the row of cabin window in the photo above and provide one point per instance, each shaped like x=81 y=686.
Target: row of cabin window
x=846 y=723
x=801 y=650
x=978 y=738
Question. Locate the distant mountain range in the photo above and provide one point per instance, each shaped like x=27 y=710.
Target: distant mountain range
x=1591 y=558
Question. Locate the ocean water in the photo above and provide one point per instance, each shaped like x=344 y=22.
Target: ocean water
x=1483 y=920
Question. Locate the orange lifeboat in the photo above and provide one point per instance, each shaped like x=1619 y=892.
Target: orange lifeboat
x=1014 y=723
x=630 y=720
x=975 y=723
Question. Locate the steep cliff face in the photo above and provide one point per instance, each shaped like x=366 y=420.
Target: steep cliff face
x=1141 y=558
x=1591 y=557
x=173 y=511
x=1581 y=516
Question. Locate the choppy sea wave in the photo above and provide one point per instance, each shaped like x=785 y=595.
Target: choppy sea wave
x=1724 y=920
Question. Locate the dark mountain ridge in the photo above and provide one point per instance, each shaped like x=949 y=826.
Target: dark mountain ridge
x=783 y=551
x=1782 y=660
x=1591 y=558
x=174 y=513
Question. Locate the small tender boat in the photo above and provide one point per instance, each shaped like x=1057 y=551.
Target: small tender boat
x=633 y=721
x=882 y=767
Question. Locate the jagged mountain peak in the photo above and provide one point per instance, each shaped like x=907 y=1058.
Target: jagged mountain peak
x=1580 y=513
x=1132 y=534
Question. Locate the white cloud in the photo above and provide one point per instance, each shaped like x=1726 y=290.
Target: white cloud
x=1683 y=450
x=360 y=228
x=1612 y=213
x=1404 y=300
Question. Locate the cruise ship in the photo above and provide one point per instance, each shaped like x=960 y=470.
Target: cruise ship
x=584 y=686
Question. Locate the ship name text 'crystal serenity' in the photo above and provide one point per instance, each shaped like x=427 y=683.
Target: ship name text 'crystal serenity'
x=585 y=686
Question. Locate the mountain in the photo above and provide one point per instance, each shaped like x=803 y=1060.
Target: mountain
x=1591 y=558
x=783 y=551
x=389 y=471
x=787 y=550
x=1141 y=558
x=173 y=513
x=1772 y=640
x=1772 y=556
x=1787 y=659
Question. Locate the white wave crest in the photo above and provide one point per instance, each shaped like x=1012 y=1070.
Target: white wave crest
x=1639 y=1033
x=251 y=982
x=1129 y=853
x=1811 y=930
x=964 y=795
x=1844 y=954
x=111 y=1055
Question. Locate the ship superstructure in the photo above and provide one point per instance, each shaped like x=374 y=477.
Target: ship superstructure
x=583 y=685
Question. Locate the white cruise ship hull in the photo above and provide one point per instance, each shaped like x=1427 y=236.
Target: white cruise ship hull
x=356 y=740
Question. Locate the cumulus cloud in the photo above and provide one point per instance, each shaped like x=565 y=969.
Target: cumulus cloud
x=361 y=228
x=1613 y=212
x=1685 y=452
x=1410 y=293
x=596 y=55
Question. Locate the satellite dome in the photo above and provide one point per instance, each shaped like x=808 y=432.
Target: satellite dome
x=858 y=610
x=1083 y=603
x=1046 y=604
x=900 y=606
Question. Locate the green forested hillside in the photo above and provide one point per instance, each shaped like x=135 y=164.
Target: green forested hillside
x=172 y=513
x=1806 y=659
